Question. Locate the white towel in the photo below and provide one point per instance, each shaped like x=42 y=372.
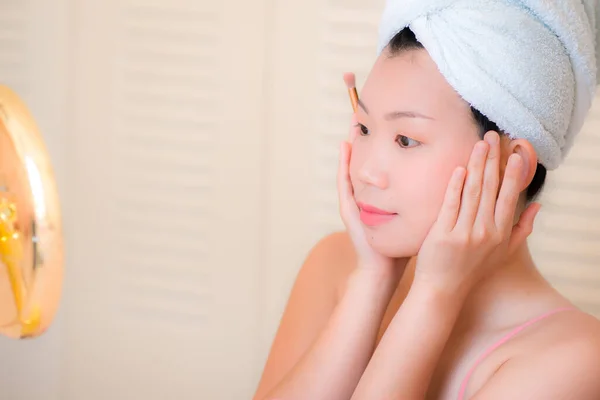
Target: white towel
x=530 y=66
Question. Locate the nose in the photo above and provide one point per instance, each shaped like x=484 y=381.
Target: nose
x=373 y=171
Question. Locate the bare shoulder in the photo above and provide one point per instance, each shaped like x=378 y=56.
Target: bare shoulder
x=562 y=360
x=578 y=338
x=334 y=257
x=574 y=330
x=571 y=336
x=336 y=248
x=569 y=347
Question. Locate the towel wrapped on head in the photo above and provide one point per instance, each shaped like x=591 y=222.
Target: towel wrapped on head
x=528 y=65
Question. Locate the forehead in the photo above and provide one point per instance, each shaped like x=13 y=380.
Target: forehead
x=410 y=80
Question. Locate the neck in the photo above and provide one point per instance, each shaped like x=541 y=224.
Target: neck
x=515 y=292
x=511 y=295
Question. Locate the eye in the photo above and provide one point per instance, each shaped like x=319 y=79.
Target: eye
x=364 y=131
x=406 y=142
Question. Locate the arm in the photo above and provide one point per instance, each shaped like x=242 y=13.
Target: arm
x=409 y=351
x=322 y=348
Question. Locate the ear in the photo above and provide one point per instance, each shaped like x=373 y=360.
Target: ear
x=525 y=150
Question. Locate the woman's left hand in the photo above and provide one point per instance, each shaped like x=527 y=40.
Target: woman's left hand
x=475 y=228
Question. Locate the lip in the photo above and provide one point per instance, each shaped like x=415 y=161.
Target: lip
x=373 y=216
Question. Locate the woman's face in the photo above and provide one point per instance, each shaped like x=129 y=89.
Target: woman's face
x=414 y=131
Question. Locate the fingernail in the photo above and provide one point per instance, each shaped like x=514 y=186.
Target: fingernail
x=481 y=147
x=491 y=137
x=515 y=159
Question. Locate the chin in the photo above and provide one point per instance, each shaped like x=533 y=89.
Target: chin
x=392 y=244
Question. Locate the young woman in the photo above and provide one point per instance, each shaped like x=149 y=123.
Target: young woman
x=431 y=292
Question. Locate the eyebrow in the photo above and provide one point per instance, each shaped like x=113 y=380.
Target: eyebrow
x=396 y=114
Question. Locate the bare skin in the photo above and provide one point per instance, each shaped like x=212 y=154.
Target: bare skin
x=570 y=336
x=368 y=320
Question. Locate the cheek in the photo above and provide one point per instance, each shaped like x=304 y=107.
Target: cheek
x=438 y=177
x=421 y=193
x=422 y=190
x=435 y=186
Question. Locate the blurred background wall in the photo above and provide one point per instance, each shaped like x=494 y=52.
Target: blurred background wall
x=195 y=147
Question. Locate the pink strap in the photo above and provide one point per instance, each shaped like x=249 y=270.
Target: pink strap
x=505 y=339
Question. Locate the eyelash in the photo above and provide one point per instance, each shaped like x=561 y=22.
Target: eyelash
x=398 y=137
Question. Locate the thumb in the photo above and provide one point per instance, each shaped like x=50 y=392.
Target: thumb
x=524 y=227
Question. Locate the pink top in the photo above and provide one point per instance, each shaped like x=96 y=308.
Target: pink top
x=513 y=333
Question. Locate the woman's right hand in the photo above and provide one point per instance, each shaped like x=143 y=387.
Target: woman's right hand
x=367 y=257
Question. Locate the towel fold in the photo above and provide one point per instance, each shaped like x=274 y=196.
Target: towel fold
x=530 y=66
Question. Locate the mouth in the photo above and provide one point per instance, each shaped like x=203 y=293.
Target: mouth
x=373 y=216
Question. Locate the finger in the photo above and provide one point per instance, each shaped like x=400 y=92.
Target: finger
x=524 y=227
x=451 y=205
x=345 y=193
x=471 y=194
x=509 y=195
x=491 y=178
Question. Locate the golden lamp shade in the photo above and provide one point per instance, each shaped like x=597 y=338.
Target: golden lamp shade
x=31 y=242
